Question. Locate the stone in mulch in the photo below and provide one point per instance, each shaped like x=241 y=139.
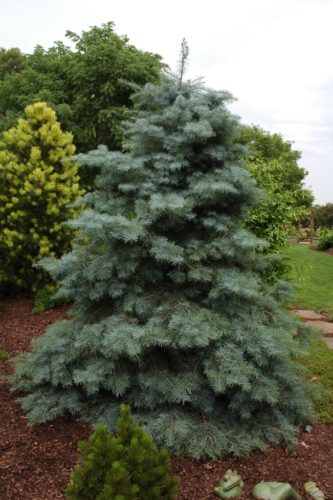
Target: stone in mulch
x=307 y=314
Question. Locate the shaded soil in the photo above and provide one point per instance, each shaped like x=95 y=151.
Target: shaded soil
x=328 y=252
x=35 y=462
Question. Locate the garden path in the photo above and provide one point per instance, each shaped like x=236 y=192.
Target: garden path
x=317 y=321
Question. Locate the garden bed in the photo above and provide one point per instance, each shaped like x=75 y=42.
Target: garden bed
x=35 y=462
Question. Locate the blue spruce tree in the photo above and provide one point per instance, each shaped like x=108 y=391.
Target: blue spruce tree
x=170 y=312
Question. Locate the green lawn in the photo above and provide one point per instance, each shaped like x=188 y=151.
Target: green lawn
x=312 y=277
x=318 y=367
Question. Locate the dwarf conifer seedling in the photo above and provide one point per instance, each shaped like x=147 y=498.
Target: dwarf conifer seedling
x=124 y=466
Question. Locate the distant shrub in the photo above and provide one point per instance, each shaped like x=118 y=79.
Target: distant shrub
x=326 y=240
x=38 y=184
x=124 y=466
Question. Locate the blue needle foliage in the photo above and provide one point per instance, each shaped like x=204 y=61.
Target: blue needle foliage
x=171 y=314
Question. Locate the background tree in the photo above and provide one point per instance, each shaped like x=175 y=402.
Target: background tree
x=265 y=146
x=38 y=182
x=274 y=165
x=100 y=99
x=171 y=314
x=82 y=84
x=11 y=61
x=323 y=215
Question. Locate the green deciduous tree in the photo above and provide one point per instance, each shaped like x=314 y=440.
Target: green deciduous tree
x=274 y=165
x=171 y=314
x=84 y=85
x=323 y=215
x=265 y=146
x=100 y=101
x=11 y=61
x=37 y=184
x=124 y=466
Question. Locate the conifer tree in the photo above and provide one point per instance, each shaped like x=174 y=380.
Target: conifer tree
x=171 y=315
x=125 y=466
x=38 y=183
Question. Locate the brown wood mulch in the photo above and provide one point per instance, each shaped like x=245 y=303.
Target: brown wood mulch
x=35 y=462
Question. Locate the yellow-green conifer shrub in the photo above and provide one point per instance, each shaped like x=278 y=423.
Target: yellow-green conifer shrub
x=38 y=182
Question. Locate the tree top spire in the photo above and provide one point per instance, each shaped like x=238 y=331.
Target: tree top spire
x=182 y=63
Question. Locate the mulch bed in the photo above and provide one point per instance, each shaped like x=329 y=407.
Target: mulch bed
x=35 y=462
x=328 y=252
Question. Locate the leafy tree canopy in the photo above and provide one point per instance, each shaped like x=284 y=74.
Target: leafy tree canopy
x=274 y=164
x=83 y=84
x=323 y=215
x=264 y=147
x=11 y=61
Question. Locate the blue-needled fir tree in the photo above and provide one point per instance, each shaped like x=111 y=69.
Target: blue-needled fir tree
x=170 y=314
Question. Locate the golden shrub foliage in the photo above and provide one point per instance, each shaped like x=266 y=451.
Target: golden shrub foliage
x=38 y=181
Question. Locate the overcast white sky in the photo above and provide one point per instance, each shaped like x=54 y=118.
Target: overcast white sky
x=275 y=56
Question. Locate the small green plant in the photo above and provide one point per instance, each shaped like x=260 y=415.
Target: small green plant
x=43 y=299
x=46 y=299
x=3 y=355
x=123 y=466
x=326 y=240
